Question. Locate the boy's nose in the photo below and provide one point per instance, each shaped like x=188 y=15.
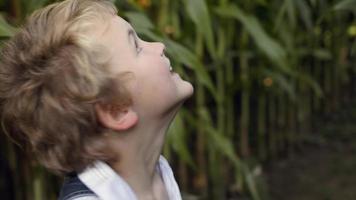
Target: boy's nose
x=160 y=48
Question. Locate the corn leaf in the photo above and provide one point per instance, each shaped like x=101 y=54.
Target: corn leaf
x=346 y=5
x=6 y=30
x=305 y=13
x=282 y=82
x=251 y=183
x=177 y=137
x=139 y=21
x=32 y=5
x=199 y=14
x=269 y=46
x=308 y=80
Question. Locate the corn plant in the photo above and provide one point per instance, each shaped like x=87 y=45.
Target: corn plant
x=262 y=72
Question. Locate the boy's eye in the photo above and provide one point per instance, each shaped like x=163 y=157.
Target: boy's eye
x=138 y=49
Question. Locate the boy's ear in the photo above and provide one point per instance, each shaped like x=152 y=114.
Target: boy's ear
x=116 y=119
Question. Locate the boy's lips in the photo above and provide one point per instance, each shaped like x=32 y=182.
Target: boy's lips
x=169 y=65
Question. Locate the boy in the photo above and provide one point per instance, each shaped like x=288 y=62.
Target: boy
x=92 y=100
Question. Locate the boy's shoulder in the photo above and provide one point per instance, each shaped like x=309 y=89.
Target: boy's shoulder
x=74 y=189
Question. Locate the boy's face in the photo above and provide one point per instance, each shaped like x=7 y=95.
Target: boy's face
x=154 y=89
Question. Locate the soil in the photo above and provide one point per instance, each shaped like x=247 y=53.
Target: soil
x=325 y=168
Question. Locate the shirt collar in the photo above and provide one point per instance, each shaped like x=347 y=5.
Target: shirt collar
x=108 y=185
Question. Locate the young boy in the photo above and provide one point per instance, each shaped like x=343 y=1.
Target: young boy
x=92 y=101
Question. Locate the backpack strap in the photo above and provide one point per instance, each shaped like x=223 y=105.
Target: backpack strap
x=73 y=188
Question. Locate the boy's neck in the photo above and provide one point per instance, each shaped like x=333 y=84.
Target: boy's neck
x=138 y=154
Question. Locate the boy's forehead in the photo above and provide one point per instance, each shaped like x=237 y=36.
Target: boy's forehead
x=121 y=22
x=119 y=26
x=115 y=31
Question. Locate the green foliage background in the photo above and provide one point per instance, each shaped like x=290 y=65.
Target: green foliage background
x=262 y=71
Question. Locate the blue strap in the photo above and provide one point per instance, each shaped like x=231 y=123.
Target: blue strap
x=73 y=188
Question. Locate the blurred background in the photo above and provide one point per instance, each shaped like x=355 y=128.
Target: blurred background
x=273 y=116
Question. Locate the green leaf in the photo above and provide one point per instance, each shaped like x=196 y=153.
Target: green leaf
x=346 y=5
x=217 y=139
x=305 y=13
x=139 y=21
x=251 y=183
x=225 y=147
x=308 y=80
x=269 y=46
x=282 y=82
x=6 y=30
x=177 y=137
x=32 y=5
x=322 y=54
x=291 y=12
x=222 y=143
x=199 y=13
x=286 y=9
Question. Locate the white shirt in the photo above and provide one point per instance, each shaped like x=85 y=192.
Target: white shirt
x=108 y=185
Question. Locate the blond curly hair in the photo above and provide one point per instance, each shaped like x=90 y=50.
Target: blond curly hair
x=52 y=72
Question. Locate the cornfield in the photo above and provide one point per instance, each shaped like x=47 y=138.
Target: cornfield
x=263 y=71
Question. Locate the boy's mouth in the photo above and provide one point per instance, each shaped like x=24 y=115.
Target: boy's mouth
x=169 y=64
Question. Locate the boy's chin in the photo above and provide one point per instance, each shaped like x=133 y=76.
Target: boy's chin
x=184 y=94
x=186 y=89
